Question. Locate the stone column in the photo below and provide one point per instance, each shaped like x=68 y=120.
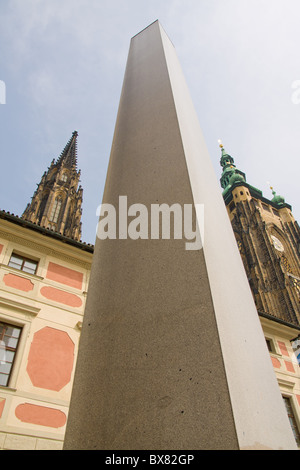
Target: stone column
x=172 y=354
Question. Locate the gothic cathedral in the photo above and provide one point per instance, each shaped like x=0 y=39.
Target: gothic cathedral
x=268 y=238
x=56 y=203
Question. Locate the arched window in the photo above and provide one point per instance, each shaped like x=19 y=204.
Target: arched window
x=55 y=210
x=64 y=177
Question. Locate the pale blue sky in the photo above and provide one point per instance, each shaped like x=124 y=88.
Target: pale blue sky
x=63 y=63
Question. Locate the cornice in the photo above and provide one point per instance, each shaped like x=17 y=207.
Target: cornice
x=19 y=306
x=46 y=249
x=45 y=231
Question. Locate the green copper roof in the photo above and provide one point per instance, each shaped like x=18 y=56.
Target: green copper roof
x=236 y=177
x=277 y=198
x=226 y=159
x=232 y=176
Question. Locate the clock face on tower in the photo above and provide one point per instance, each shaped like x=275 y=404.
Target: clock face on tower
x=277 y=243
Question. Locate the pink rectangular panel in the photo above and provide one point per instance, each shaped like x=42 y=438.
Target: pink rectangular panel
x=18 y=282
x=275 y=362
x=283 y=348
x=2 y=403
x=64 y=275
x=289 y=366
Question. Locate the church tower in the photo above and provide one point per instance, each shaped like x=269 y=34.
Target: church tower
x=56 y=203
x=268 y=238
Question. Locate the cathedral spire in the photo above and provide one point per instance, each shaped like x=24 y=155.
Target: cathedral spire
x=68 y=157
x=56 y=203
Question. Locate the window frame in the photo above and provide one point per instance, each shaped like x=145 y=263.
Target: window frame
x=293 y=417
x=55 y=210
x=24 y=260
x=22 y=317
x=271 y=345
x=14 y=350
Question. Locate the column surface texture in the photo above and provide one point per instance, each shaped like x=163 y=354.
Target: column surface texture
x=172 y=354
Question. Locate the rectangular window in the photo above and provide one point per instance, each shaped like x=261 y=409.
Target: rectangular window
x=9 y=339
x=24 y=264
x=292 y=419
x=270 y=345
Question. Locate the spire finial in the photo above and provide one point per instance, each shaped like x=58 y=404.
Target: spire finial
x=277 y=198
x=220 y=143
x=271 y=187
x=68 y=157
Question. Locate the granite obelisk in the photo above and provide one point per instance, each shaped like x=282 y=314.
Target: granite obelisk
x=172 y=354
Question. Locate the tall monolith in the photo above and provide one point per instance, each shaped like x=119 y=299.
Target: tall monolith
x=172 y=353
